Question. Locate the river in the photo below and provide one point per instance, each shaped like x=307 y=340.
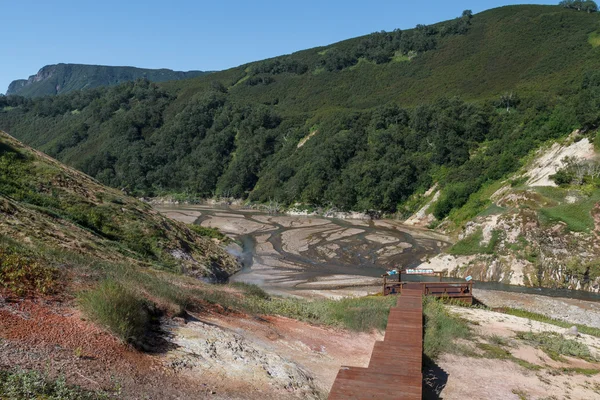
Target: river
x=311 y=256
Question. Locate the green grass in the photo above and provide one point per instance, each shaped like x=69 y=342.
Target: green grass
x=580 y=371
x=58 y=198
x=498 y=340
x=362 y=62
x=523 y=395
x=556 y=345
x=251 y=290
x=241 y=81
x=356 y=314
x=117 y=308
x=555 y=195
x=477 y=203
x=497 y=351
x=493 y=209
x=24 y=385
x=577 y=216
x=472 y=244
x=213 y=233
x=542 y=318
x=441 y=329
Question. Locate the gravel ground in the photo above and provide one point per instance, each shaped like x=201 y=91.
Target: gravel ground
x=570 y=310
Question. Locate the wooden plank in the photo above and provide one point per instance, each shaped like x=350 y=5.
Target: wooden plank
x=403 y=337
x=407 y=354
x=407 y=368
x=394 y=346
x=412 y=371
x=376 y=382
x=409 y=311
x=408 y=327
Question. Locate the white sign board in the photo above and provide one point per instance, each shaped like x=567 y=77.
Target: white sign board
x=419 y=271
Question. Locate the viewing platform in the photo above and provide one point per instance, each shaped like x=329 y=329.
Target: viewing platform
x=459 y=291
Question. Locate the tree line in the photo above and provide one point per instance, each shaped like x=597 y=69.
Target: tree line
x=580 y=5
x=378 y=47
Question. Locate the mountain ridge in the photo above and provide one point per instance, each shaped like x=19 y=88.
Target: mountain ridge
x=61 y=78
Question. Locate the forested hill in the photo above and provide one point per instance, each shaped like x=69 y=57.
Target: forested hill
x=64 y=78
x=362 y=124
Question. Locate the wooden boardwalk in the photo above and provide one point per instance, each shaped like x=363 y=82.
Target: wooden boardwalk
x=395 y=369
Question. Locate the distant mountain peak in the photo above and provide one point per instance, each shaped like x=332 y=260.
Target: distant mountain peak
x=63 y=78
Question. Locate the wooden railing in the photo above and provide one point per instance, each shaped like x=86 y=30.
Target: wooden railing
x=462 y=291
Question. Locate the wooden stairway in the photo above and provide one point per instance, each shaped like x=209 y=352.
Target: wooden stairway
x=395 y=369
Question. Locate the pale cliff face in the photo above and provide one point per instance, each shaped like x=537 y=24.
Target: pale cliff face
x=44 y=73
x=15 y=86
x=60 y=78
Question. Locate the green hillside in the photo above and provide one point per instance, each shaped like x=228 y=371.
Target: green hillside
x=48 y=208
x=362 y=124
x=529 y=49
x=65 y=78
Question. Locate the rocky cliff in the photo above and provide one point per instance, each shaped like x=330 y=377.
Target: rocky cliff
x=533 y=232
x=64 y=78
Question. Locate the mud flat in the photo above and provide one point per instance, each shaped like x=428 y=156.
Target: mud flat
x=312 y=256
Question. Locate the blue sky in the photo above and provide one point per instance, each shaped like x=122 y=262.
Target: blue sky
x=204 y=35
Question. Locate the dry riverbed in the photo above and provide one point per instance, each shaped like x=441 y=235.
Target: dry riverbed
x=314 y=256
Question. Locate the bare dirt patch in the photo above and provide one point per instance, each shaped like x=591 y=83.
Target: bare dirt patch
x=526 y=371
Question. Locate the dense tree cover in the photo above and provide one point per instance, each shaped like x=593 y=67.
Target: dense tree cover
x=580 y=5
x=379 y=47
x=362 y=160
x=139 y=151
x=588 y=101
x=365 y=138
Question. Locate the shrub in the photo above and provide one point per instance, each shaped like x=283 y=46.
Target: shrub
x=556 y=345
x=209 y=232
x=117 y=308
x=562 y=177
x=24 y=275
x=21 y=384
x=455 y=196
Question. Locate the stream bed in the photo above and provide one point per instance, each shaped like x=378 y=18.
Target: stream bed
x=311 y=256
